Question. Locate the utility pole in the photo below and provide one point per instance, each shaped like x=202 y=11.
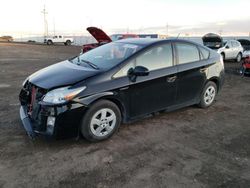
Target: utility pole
x=220 y=31
x=44 y=12
x=54 y=25
x=167 y=28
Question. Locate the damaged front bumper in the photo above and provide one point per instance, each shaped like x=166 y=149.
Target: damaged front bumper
x=27 y=122
x=54 y=121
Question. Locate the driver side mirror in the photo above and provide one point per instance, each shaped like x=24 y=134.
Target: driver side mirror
x=227 y=47
x=137 y=71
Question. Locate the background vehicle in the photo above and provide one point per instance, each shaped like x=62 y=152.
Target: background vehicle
x=232 y=49
x=116 y=37
x=119 y=82
x=229 y=50
x=100 y=36
x=245 y=68
x=212 y=41
x=246 y=47
x=58 y=39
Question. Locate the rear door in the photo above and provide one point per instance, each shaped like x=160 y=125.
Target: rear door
x=236 y=46
x=191 y=74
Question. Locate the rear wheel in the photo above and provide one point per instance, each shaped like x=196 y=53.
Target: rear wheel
x=239 y=57
x=208 y=95
x=101 y=121
x=49 y=42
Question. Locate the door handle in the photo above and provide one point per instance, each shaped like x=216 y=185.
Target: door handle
x=171 y=79
x=203 y=70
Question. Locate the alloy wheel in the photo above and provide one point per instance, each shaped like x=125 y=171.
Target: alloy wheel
x=103 y=122
x=209 y=95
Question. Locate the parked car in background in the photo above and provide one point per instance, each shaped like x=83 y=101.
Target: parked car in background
x=116 y=37
x=232 y=50
x=246 y=47
x=245 y=68
x=122 y=81
x=212 y=41
x=229 y=50
x=6 y=39
x=58 y=39
x=100 y=36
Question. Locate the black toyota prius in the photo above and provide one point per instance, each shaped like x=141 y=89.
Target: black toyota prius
x=119 y=82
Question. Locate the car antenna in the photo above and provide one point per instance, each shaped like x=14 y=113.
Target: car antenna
x=178 y=35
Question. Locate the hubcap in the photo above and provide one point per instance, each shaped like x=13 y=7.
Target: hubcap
x=103 y=122
x=209 y=95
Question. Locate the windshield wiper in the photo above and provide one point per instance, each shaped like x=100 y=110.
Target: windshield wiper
x=90 y=64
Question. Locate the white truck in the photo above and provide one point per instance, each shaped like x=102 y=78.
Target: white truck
x=58 y=39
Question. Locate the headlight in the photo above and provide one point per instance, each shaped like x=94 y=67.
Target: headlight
x=62 y=95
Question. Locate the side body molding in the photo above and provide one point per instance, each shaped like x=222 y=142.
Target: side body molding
x=89 y=99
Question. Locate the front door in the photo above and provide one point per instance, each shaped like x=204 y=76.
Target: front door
x=157 y=90
x=154 y=92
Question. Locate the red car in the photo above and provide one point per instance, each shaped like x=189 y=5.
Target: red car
x=99 y=35
x=245 y=69
x=103 y=38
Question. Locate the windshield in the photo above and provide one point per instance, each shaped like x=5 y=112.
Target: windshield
x=106 y=56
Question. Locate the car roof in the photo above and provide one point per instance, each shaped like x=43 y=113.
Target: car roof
x=150 y=41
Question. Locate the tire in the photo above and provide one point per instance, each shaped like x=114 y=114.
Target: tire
x=96 y=125
x=49 y=42
x=208 y=95
x=68 y=42
x=238 y=58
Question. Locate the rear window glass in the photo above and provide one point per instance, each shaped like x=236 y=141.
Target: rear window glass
x=187 y=53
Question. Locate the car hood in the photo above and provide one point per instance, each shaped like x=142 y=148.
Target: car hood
x=61 y=74
x=99 y=34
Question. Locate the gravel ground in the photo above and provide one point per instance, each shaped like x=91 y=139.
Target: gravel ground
x=191 y=147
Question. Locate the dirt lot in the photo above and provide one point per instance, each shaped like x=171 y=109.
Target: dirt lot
x=190 y=147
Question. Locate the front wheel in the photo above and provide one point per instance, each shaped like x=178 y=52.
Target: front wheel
x=68 y=43
x=208 y=95
x=101 y=121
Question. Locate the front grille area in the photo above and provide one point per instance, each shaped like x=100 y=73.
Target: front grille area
x=30 y=96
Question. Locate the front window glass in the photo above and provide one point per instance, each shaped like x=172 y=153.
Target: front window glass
x=106 y=56
x=156 y=58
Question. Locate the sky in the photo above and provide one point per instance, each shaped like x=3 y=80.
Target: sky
x=193 y=17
